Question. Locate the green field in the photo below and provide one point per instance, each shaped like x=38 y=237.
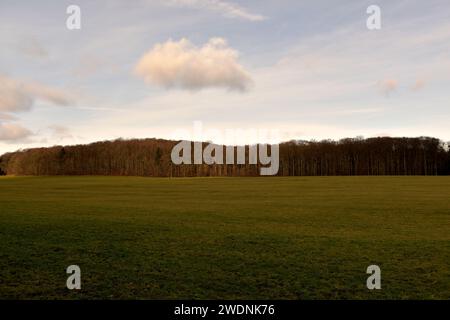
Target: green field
x=227 y=238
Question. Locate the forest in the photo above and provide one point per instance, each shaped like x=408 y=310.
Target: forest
x=151 y=157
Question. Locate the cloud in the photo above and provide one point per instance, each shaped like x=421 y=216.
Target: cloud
x=13 y=96
x=10 y=132
x=19 y=96
x=183 y=65
x=227 y=9
x=55 y=96
x=418 y=85
x=388 y=86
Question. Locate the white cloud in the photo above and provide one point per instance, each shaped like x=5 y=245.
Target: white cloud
x=183 y=65
x=227 y=9
x=10 y=132
x=20 y=96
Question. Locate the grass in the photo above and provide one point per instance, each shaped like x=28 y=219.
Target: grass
x=225 y=238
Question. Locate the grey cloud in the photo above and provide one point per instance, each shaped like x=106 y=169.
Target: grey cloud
x=10 y=132
x=18 y=96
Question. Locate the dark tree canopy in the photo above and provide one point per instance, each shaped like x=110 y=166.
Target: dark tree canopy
x=151 y=157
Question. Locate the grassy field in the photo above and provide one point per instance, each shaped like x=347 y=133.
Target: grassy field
x=232 y=238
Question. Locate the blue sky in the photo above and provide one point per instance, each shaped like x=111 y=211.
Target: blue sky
x=148 y=68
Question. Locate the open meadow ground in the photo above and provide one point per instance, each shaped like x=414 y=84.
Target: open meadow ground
x=227 y=238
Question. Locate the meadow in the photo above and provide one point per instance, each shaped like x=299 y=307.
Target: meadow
x=225 y=238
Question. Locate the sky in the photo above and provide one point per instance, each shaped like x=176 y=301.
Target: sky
x=154 y=68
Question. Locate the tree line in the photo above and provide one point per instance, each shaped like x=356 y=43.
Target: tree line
x=152 y=158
